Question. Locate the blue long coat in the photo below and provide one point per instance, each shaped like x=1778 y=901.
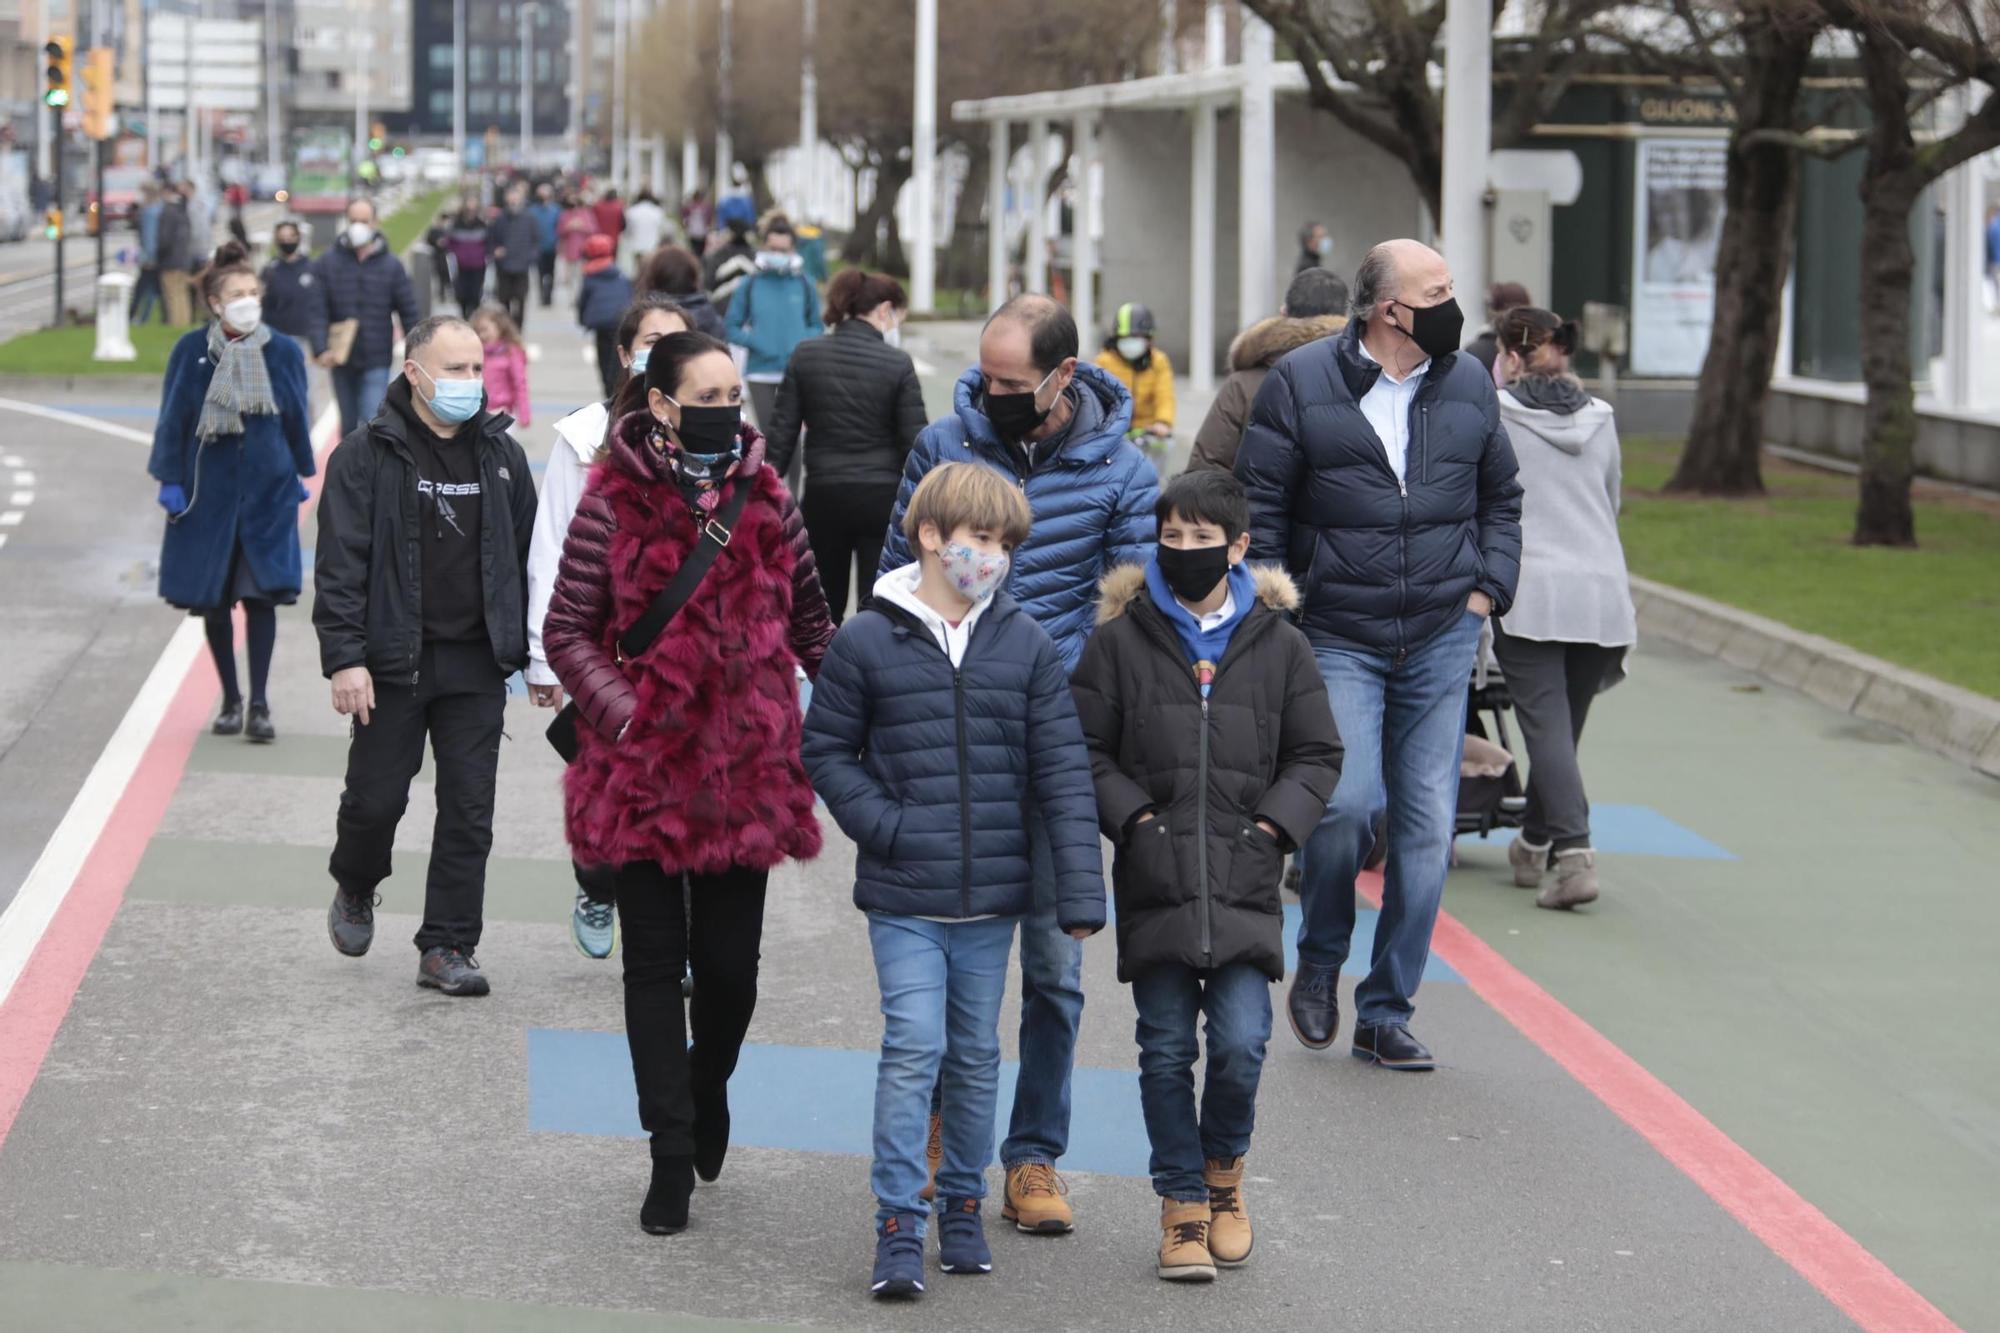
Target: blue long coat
x=243 y=489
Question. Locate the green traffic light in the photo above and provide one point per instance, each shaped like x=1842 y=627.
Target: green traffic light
x=56 y=97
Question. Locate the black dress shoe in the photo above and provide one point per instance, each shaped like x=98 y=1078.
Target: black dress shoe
x=711 y=1132
x=258 y=725
x=666 y=1208
x=1391 y=1046
x=1314 y=1004
x=229 y=722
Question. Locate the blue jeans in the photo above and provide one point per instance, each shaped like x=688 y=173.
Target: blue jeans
x=1170 y=997
x=1404 y=729
x=359 y=390
x=942 y=985
x=1051 y=1011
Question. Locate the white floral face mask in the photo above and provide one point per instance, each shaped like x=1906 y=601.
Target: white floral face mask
x=976 y=574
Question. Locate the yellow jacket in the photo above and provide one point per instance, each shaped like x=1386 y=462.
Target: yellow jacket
x=1152 y=388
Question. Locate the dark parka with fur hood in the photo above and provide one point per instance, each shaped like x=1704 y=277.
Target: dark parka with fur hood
x=1251 y=357
x=1197 y=885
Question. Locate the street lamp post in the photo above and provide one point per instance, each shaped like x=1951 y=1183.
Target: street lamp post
x=528 y=11
x=458 y=83
x=923 y=175
x=809 y=116
x=1468 y=134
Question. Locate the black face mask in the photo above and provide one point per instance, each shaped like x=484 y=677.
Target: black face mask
x=1435 y=329
x=708 y=434
x=288 y=247
x=1014 y=415
x=1193 y=572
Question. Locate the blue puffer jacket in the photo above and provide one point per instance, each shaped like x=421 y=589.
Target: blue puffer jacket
x=369 y=287
x=1092 y=500
x=1383 y=565
x=932 y=770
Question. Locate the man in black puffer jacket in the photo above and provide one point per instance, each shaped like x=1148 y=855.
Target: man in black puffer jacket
x=362 y=281
x=1380 y=475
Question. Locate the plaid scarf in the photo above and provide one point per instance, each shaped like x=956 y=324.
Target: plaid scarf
x=240 y=385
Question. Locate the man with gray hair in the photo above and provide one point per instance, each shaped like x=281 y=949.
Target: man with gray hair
x=1380 y=475
x=420 y=604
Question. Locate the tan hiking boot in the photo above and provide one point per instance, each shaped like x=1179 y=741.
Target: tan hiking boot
x=1034 y=1202
x=1184 y=1253
x=1576 y=881
x=1229 y=1236
x=933 y=1157
x=1530 y=862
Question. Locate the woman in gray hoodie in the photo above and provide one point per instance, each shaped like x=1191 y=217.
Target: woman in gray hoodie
x=1564 y=640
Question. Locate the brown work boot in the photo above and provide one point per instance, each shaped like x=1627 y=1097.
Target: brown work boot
x=1184 y=1253
x=1229 y=1236
x=1528 y=861
x=933 y=1157
x=1034 y=1201
x=1576 y=881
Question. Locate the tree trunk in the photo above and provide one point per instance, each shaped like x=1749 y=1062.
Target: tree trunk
x=1754 y=254
x=1890 y=186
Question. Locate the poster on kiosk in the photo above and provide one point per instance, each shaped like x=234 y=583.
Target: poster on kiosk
x=1677 y=227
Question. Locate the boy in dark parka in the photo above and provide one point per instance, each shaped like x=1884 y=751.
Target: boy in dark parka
x=1214 y=752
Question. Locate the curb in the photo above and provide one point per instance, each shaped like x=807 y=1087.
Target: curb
x=1945 y=719
x=116 y=380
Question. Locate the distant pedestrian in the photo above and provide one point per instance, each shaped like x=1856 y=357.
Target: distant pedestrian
x=1315 y=248
x=576 y=226
x=1564 y=639
x=1131 y=358
x=697 y=218
x=471 y=244
x=420 y=604
x=176 y=258
x=601 y=300
x=1315 y=307
x=1501 y=297
x=609 y=210
x=229 y=448
x=438 y=237
x=1196 y=682
x=367 y=284
x=294 y=296
x=514 y=242
x=547 y=214
x=506 y=371
x=645 y=228
x=688 y=778
x=146 y=296
x=945 y=865
x=855 y=398
x=675 y=272
x=730 y=254
x=773 y=310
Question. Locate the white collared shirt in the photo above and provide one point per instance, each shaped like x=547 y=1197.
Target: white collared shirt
x=1215 y=619
x=1387 y=407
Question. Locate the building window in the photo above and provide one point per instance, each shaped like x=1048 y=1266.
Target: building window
x=479 y=102
x=441 y=104
x=441 y=59
x=506 y=72
x=544 y=65
x=478 y=61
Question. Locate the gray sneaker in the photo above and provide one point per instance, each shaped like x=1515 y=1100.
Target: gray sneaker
x=350 y=921
x=1576 y=881
x=1528 y=861
x=452 y=971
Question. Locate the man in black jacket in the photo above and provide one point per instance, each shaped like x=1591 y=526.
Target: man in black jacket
x=420 y=604
x=364 y=282
x=515 y=243
x=294 y=297
x=1380 y=475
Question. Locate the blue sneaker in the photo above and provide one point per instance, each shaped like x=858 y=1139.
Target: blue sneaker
x=962 y=1238
x=594 y=926
x=899 y=1258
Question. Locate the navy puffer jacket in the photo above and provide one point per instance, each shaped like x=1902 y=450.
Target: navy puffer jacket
x=933 y=771
x=370 y=287
x=1092 y=501
x=1384 y=565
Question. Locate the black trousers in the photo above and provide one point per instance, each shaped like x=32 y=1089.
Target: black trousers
x=711 y=925
x=468 y=287
x=459 y=701
x=1553 y=686
x=846 y=525
x=513 y=294
x=609 y=371
x=545 y=269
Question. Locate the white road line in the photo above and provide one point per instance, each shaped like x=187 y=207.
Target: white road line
x=14 y=460
x=24 y=478
x=11 y=519
x=21 y=498
x=923 y=367
x=3 y=539
x=72 y=419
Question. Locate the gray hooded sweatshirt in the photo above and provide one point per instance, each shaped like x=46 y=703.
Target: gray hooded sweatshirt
x=1574 y=588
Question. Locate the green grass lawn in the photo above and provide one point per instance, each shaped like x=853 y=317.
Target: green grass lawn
x=407 y=223
x=1935 y=609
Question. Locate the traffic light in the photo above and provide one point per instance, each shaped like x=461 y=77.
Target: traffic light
x=99 y=91
x=56 y=93
x=52 y=224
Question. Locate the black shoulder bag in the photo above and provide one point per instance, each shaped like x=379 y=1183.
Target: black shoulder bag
x=637 y=639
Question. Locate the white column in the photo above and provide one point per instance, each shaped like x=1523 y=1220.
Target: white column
x=1201 y=251
x=621 y=35
x=659 y=178
x=575 y=85
x=1257 y=196
x=1083 y=246
x=1964 y=269
x=923 y=156
x=1215 y=35
x=997 y=150
x=526 y=13
x=809 y=204
x=725 y=146
x=274 y=151
x=458 y=143
x=364 y=38
x=1035 y=269
x=1468 y=135
x=1166 y=59
x=690 y=163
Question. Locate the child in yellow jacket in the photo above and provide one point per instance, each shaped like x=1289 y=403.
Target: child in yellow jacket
x=1144 y=370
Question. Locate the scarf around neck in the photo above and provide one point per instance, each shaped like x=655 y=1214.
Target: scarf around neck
x=1550 y=393
x=241 y=384
x=700 y=486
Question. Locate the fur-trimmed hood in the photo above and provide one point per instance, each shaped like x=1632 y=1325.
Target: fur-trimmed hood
x=1116 y=590
x=1263 y=343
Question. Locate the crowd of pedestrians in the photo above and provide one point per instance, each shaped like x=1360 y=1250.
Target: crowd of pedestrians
x=1024 y=641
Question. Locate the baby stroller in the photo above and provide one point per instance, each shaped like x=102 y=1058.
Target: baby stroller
x=1490 y=792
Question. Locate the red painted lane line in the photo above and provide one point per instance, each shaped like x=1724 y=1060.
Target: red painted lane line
x=34 y=1011
x=1862 y=1286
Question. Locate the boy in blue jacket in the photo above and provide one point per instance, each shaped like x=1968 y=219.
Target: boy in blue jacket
x=941 y=711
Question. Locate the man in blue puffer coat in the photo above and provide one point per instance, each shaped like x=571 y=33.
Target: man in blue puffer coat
x=364 y=282
x=1056 y=428
x=1379 y=474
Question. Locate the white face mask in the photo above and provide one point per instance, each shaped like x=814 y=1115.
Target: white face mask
x=243 y=314
x=1133 y=348
x=360 y=233
x=894 y=337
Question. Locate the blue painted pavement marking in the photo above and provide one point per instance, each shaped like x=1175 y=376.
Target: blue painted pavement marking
x=1638 y=830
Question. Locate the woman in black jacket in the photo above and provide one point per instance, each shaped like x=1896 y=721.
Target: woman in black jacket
x=856 y=393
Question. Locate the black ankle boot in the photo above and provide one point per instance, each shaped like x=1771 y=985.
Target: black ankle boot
x=665 y=1211
x=711 y=1131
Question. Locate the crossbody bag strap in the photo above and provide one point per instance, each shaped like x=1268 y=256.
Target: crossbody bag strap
x=714 y=536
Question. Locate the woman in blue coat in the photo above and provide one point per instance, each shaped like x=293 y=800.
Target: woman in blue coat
x=231 y=444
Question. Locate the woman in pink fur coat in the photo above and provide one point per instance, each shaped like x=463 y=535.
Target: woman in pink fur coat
x=687 y=778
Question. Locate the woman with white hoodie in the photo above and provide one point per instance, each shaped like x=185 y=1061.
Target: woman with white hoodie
x=1564 y=640
x=581 y=438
